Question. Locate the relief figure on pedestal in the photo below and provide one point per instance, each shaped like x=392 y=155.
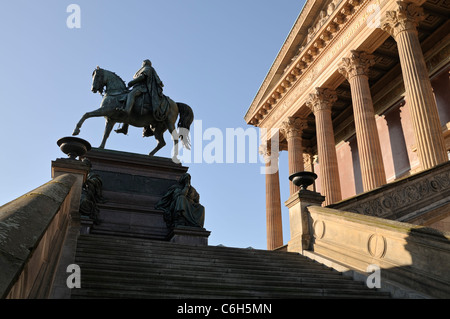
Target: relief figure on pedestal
x=181 y=205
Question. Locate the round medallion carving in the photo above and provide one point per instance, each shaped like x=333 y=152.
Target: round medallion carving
x=319 y=229
x=376 y=246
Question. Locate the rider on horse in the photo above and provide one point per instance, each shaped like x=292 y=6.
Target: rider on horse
x=145 y=80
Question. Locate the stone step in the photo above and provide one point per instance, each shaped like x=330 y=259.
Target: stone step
x=117 y=267
x=100 y=262
x=254 y=263
x=216 y=271
x=109 y=290
x=142 y=245
x=237 y=279
x=183 y=252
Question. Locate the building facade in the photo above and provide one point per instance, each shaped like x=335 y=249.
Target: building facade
x=360 y=94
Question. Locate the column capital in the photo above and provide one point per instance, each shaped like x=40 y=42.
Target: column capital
x=358 y=63
x=405 y=17
x=321 y=99
x=265 y=149
x=293 y=126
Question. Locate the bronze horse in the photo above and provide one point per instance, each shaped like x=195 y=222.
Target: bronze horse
x=140 y=116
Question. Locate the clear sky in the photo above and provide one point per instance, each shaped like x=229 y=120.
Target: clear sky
x=211 y=54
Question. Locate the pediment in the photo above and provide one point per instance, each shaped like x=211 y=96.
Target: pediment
x=313 y=15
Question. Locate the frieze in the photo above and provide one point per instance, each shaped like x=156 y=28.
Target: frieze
x=403 y=199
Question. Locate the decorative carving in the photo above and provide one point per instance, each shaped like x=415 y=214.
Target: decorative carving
x=326 y=35
x=333 y=27
x=330 y=8
x=339 y=19
x=91 y=195
x=347 y=10
x=406 y=17
x=321 y=99
x=376 y=245
x=358 y=63
x=319 y=229
x=307 y=159
x=392 y=204
x=293 y=126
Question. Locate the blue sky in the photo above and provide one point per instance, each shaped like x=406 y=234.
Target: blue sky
x=210 y=54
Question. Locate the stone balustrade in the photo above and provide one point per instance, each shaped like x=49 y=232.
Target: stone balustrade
x=33 y=229
x=414 y=256
x=410 y=257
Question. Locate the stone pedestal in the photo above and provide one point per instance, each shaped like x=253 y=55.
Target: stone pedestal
x=301 y=235
x=131 y=186
x=189 y=236
x=77 y=168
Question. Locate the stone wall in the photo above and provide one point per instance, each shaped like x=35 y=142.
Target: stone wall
x=32 y=232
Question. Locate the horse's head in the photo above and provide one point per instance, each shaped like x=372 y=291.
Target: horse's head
x=102 y=78
x=98 y=82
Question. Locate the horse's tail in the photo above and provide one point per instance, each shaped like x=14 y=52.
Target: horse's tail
x=184 y=123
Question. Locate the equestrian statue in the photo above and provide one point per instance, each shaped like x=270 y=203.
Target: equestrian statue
x=141 y=104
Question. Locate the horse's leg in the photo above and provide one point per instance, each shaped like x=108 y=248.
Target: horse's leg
x=159 y=136
x=108 y=128
x=96 y=113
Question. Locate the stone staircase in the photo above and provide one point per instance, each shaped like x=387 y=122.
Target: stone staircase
x=122 y=267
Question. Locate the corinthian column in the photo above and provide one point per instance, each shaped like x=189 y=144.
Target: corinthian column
x=292 y=128
x=401 y=24
x=273 y=201
x=355 y=69
x=321 y=102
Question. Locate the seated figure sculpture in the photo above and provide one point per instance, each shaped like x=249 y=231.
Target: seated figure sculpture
x=181 y=205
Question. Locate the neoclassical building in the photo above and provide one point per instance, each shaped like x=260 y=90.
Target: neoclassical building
x=360 y=94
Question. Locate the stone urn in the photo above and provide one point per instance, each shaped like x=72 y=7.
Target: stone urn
x=303 y=179
x=73 y=146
